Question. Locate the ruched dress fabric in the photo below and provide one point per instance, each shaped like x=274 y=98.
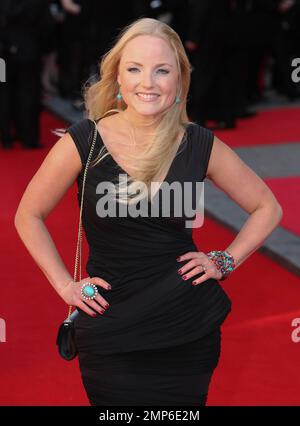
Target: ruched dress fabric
x=159 y=341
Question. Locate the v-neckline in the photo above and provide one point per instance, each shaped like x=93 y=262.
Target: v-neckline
x=183 y=141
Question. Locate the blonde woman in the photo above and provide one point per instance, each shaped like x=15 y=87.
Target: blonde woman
x=148 y=331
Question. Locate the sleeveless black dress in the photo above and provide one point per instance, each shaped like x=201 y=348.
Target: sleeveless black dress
x=159 y=341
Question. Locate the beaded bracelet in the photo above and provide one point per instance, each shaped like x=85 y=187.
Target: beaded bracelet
x=224 y=262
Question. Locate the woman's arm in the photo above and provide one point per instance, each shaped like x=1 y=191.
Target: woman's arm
x=229 y=173
x=57 y=173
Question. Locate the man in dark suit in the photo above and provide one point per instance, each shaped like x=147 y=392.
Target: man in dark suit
x=212 y=88
x=21 y=23
x=88 y=31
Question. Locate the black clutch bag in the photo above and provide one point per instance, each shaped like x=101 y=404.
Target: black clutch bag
x=65 y=340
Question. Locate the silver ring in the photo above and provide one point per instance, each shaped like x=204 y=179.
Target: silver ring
x=204 y=269
x=89 y=291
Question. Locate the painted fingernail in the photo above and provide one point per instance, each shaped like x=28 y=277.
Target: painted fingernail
x=180 y=271
x=108 y=286
x=184 y=277
x=194 y=283
x=178 y=258
x=94 y=315
x=106 y=305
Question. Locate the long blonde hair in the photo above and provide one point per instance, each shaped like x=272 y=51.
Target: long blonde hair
x=101 y=100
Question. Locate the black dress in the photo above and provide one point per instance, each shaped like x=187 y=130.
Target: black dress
x=159 y=341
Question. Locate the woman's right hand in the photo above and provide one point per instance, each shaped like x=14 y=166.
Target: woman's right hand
x=71 y=294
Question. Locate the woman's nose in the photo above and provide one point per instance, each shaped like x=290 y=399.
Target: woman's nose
x=147 y=79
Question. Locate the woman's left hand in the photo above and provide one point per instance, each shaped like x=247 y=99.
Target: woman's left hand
x=198 y=262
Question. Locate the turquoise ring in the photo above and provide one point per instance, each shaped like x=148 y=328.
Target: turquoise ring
x=89 y=291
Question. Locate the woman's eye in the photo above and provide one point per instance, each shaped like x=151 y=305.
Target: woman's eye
x=131 y=69
x=163 y=71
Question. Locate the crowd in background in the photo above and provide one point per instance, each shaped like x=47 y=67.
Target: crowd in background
x=233 y=45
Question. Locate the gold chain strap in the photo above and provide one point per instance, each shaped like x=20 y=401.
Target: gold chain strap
x=79 y=239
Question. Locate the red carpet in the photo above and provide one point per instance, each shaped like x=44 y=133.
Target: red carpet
x=271 y=127
x=258 y=364
x=287 y=191
x=267 y=127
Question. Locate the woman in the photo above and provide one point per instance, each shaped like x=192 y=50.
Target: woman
x=157 y=342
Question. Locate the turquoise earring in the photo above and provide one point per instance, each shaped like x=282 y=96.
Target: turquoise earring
x=177 y=100
x=119 y=96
